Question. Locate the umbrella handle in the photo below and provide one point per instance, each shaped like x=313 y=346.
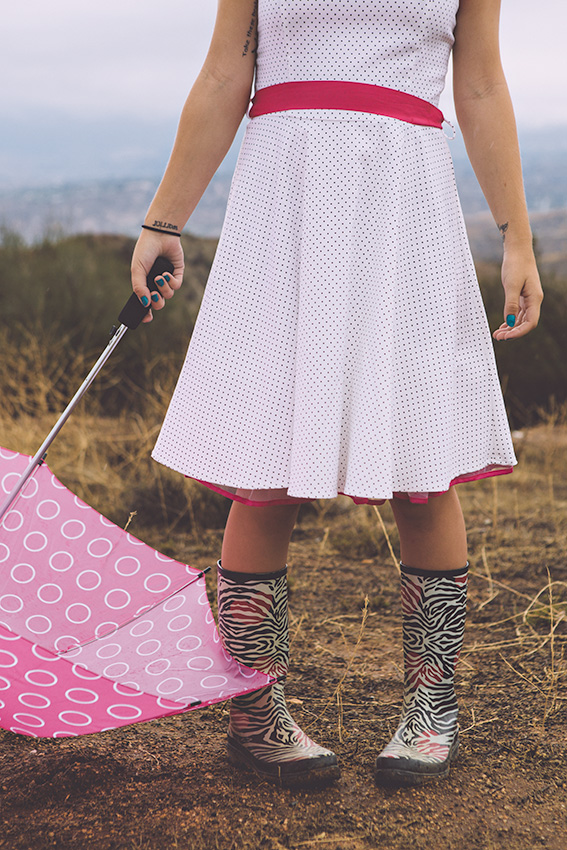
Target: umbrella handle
x=133 y=311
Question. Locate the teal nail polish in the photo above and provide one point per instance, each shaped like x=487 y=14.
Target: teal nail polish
x=167 y=277
x=155 y=296
x=511 y=320
x=144 y=300
x=160 y=281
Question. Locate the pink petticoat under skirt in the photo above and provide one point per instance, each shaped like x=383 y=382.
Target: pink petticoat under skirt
x=265 y=497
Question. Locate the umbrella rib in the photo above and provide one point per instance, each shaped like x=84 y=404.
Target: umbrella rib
x=63 y=652
x=15 y=494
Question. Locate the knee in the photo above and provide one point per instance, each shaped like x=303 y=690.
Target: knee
x=265 y=515
x=410 y=514
x=438 y=508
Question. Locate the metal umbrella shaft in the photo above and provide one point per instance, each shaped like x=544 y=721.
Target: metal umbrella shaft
x=130 y=317
x=38 y=457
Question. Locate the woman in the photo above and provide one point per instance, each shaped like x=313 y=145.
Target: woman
x=342 y=345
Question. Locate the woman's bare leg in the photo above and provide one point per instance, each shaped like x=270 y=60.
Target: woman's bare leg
x=432 y=536
x=256 y=539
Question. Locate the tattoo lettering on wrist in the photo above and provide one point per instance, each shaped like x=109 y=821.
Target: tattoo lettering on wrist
x=165 y=225
x=252 y=31
x=503 y=228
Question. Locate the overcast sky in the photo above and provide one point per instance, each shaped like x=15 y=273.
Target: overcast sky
x=120 y=58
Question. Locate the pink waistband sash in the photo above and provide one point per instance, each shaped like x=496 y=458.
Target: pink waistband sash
x=357 y=97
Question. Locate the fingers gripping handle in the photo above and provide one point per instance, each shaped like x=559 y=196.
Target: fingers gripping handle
x=133 y=311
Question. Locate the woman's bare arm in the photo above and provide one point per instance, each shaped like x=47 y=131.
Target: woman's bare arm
x=210 y=118
x=486 y=118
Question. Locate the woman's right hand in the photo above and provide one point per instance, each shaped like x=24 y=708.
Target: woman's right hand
x=149 y=247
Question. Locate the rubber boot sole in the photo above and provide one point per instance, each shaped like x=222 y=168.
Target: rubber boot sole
x=405 y=773
x=287 y=774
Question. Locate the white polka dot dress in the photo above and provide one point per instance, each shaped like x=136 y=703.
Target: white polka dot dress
x=342 y=345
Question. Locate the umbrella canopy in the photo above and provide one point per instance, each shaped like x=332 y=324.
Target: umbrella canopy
x=97 y=629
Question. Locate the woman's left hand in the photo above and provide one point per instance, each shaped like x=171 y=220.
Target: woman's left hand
x=523 y=293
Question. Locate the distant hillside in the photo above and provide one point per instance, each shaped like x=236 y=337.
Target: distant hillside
x=118 y=206
x=101 y=206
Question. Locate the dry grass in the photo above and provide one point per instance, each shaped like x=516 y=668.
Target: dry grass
x=337 y=694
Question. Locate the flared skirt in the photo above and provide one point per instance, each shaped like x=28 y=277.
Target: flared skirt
x=342 y=345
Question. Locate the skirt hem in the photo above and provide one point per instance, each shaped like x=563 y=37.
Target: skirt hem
x=414 y=497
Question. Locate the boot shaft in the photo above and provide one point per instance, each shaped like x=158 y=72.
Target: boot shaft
x=253 y=625
x=434 y=610
x=427 y=739
x=253 y=619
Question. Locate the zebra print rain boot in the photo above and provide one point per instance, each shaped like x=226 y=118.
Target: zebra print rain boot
x=262 y=735
x=427 y=739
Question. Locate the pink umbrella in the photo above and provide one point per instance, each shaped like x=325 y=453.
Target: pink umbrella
x=97 y=630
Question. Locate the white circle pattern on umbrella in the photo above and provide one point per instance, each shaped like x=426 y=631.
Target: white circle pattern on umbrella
x=128 y=620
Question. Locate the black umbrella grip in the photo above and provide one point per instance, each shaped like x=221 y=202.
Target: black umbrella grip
x=134 y=311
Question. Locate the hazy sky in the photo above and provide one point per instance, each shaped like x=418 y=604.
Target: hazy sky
x=120 y=58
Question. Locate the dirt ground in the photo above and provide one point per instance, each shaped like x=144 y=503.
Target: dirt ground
x=167 y=784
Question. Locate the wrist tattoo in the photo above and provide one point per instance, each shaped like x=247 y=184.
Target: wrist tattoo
x=252 y=33
x=165 y=225
x=503 y=228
